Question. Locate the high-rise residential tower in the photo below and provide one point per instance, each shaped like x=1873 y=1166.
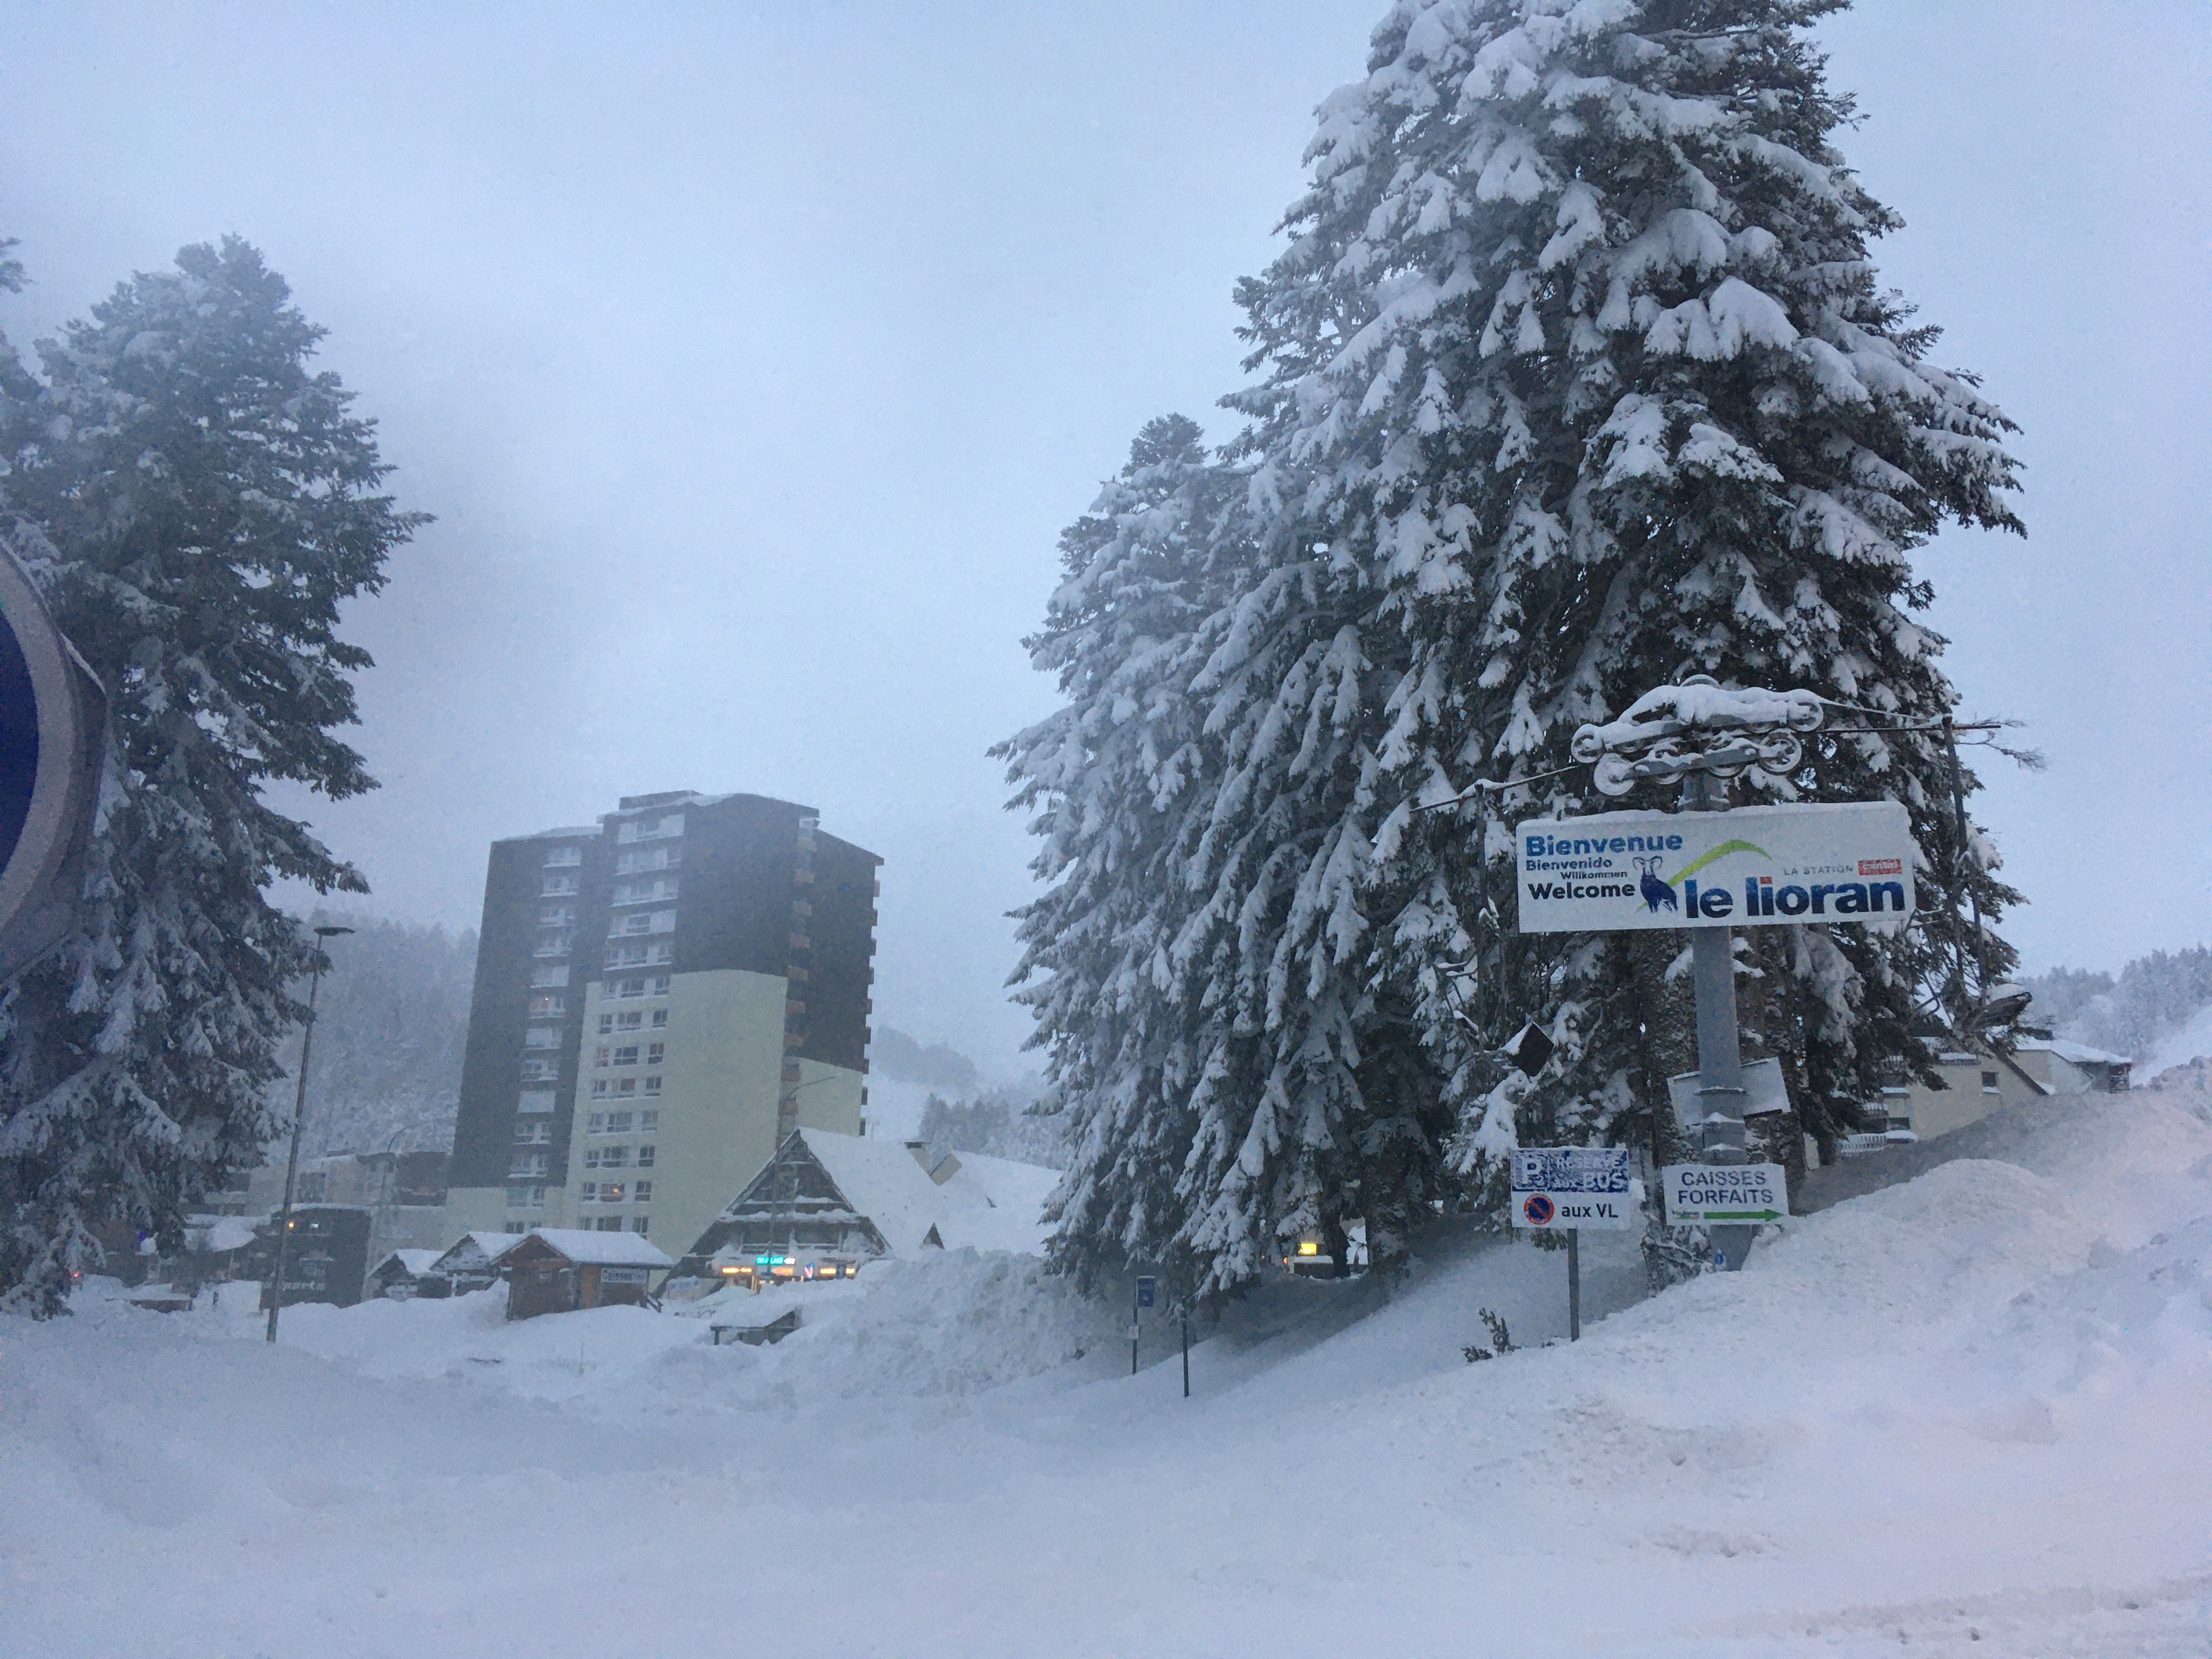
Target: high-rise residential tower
x=654 y=995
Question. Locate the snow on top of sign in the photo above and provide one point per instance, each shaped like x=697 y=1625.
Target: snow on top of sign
x=1710 y=706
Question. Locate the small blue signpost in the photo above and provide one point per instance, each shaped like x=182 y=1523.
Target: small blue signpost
x=1145 y=1284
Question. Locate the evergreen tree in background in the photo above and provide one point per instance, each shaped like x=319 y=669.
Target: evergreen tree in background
x=1574 y=379
x=209 y=502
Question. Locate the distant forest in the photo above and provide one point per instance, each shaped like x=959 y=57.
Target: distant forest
x=2153 y=997
x=392 y=1019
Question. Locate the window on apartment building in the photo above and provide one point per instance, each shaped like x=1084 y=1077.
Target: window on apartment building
x=625 y=1054
x=1988 y=1082
x=553 y=944
x=556 y=915
x=637 y=921
x=542 y=1036
x=540 y=1071
x=655 y=1052
x=557 y=887
x=660 y=1020
x=533 y=1134
x=625 y=1087
x=557 y=856
x=607 y=1157
x=535 y=1100
x=648 y=1122
x=548 y=1007
x=639 y=1224
x=527 y=1165
x=598 y=1087
x=652 y=1084
x=523 y=1198
x=645 y=1156
x=610 y=1224
x=543 y=976
x=588 y=1193
x=611 y=1192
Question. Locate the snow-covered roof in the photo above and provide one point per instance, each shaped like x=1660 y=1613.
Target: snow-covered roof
x=587 y=1247
x=218 y=1233
x=881 y=1181
x=413 y=1263
x=474 y=1249
x=986 y=1203
x=1013 y=1194
x=2080 y=1053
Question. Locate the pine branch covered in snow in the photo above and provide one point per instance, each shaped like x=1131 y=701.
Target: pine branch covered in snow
x=1574 y=379
x=210 y=503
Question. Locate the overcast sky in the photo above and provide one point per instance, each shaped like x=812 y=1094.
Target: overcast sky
x=752 y=358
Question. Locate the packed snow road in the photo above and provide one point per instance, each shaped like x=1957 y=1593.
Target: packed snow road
x=1967 y=1414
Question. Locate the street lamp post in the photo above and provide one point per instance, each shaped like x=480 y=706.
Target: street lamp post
x=299 y=1111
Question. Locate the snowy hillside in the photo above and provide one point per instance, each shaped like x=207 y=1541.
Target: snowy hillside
x=1969 y=1413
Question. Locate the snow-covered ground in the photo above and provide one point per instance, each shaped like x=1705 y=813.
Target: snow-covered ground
x=1967 y=1414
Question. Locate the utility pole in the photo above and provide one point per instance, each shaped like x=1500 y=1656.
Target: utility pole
x=1721 y=1096
x=299 y=1112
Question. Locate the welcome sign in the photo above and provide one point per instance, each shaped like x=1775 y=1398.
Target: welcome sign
x=1755 y=867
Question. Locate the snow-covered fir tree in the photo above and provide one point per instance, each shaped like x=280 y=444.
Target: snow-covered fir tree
x=208 y=502
x=1575 y=379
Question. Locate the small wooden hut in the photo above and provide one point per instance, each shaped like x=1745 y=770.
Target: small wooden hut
x=566 y=1269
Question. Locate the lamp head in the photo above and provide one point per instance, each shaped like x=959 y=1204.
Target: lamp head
x=328 y=933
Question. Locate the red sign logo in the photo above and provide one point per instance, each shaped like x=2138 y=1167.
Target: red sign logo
x=1881 y=866
x=1538 y=1208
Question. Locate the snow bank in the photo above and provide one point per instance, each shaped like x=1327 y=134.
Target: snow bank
x=1965 y=1413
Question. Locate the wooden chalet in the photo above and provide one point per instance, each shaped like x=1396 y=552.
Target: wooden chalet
x=826 y=1203
x=466 y=1265
x=401 y=1275
x=566 y=1269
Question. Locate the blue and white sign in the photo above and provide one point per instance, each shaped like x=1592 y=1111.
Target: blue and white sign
x=52 y=718
x=1557 y=1188
x=1146 y=1285
x=1756 y=867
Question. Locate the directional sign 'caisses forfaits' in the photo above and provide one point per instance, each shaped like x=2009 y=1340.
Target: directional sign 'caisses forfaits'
x=1756 y=867
x=1725 y=1192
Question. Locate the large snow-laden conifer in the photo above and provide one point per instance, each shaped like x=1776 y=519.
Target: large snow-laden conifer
x=1121 y=782
x=1576 y=379
x=206 y=503
x=1580 y=341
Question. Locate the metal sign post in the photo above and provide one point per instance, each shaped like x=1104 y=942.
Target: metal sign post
x=1564 y=1189
x=1792 y=864
x=1147 y=1288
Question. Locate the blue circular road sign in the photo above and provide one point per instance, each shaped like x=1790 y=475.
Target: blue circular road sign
x=52 y=742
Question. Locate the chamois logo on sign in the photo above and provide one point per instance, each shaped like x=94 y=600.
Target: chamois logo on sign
x=1656 y=892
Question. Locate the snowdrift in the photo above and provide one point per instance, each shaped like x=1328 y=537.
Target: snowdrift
x=1967 y=1412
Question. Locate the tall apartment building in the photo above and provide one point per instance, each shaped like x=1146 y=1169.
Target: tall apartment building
x=652 y=994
